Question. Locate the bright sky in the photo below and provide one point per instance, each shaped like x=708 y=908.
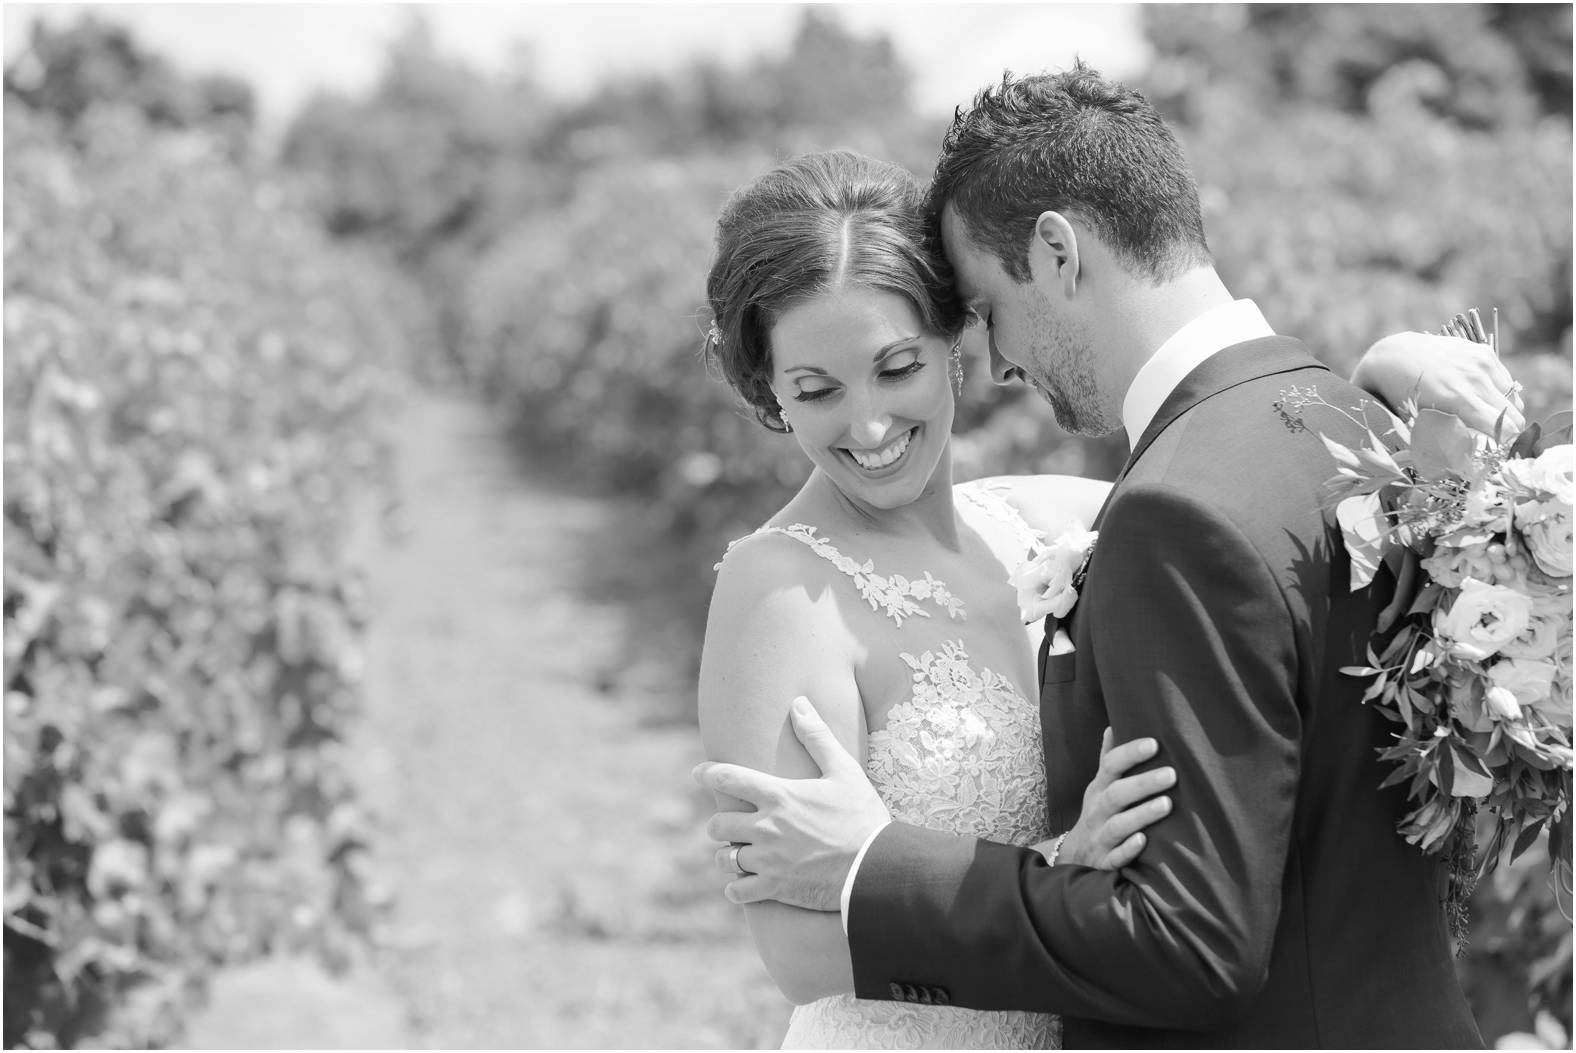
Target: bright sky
x=285 y=50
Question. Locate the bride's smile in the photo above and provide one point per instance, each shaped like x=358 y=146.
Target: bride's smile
x=888 y=455
x=865 y=389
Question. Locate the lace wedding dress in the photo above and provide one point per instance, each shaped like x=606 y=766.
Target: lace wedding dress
x=961 y=754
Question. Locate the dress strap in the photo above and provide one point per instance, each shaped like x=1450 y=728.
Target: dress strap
x=990 y=500
x=896 y=596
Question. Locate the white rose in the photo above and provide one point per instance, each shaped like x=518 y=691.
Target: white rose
x=1546 y=526
x=1537 y=641
x=1551 y=472
x=1557 y=707
x=1501 y=703
x=1482 y=619
x=1515 y=684
x=1450 y=566
x=1045 y=581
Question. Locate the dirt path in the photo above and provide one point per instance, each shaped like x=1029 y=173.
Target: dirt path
x=542 y=831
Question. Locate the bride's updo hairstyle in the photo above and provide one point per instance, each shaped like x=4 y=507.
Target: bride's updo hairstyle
x=811 y=225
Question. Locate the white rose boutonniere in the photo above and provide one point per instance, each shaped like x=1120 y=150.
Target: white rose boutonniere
x=1049 y=579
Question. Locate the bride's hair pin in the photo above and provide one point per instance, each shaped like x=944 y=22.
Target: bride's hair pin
x=714 y=334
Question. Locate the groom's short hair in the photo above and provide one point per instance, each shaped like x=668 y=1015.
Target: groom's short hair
x=1074 y=143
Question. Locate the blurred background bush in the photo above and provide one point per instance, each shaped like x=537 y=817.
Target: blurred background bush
x=197 y=328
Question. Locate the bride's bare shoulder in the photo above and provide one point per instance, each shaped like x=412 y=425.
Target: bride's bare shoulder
x=774 y=631
x=1050 y=504
x=770 y=559
x=774 y=583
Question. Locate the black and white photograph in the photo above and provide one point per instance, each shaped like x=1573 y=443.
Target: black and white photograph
x=788 y=526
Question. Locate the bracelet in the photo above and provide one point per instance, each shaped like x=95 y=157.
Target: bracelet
x=1056 y=850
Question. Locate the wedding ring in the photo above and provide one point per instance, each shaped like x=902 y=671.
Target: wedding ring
x=733 y=857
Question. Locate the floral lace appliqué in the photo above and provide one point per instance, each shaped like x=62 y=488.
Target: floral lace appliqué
x=896 y=596
x=963 y=754
x=991 y=499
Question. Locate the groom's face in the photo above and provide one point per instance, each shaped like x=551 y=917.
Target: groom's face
x=1032 y=337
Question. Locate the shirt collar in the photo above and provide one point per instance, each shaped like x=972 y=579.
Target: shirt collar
x=1215 y=329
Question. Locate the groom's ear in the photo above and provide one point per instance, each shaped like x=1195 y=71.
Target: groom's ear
x=1053 y=253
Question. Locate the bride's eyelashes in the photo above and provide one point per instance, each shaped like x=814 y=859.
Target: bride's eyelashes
x=896 y=373
x=902 y=372
x=815 y=395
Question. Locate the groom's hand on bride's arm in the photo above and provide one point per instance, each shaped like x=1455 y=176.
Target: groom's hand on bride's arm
x=804 y=834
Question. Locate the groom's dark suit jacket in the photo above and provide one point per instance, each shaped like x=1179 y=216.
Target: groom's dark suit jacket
x=1276 y=906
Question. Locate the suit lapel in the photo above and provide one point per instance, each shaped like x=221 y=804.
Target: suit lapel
x=1237 y=364
x=1228 y=367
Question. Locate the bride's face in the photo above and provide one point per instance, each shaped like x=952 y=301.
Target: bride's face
x=867 y=392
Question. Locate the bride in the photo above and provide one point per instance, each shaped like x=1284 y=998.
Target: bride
x=882 y=589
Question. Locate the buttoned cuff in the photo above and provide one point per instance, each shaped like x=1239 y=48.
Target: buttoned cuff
x=848 y=883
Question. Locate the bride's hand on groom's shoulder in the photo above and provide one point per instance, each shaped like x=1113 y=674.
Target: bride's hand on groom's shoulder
x=1117 y=808
x=1445 y=373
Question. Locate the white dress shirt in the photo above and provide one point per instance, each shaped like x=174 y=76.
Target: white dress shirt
x=1185 y=350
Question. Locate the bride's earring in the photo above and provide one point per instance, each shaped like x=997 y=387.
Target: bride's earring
x=782 y=414
x=957 y=369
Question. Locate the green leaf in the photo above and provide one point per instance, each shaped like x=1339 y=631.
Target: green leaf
x=1344 y=455
x=1427 y=599
x=1441 y=445
x=1526 y=443
x=1396 y=776
x=1560 y=833
x=1380 y=464
x=1469 y=777
x=1468 y=759
x=1526 y=839
x=1363 y=529
x=1556 y=430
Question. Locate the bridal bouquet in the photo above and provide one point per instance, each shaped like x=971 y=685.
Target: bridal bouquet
x=1472 y=657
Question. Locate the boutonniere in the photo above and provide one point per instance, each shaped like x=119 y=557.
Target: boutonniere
x=1049 y=580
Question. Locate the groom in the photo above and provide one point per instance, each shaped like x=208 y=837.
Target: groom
x=1276 y=906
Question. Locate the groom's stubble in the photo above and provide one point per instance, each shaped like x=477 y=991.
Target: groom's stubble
x=1061 y=365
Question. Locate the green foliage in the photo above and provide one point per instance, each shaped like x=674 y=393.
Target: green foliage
x=1481 y=66
x=67 y=72
x=832 y=79
x=190 y=373
x=1347 y=228
x=413 y=163
x=830 y=85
